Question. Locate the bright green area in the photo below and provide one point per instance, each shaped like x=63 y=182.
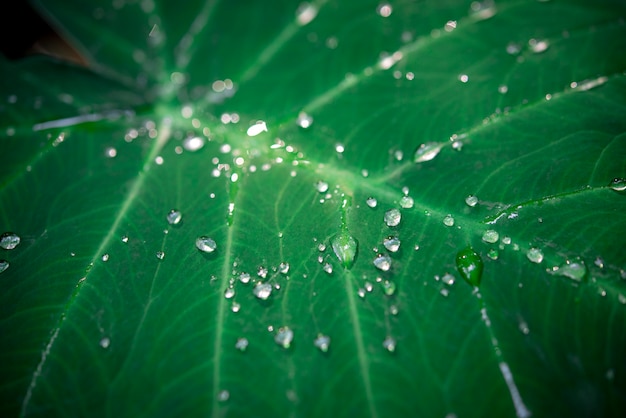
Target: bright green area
x=305 y=115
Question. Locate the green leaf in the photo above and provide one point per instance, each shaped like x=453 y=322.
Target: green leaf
x=339 y=155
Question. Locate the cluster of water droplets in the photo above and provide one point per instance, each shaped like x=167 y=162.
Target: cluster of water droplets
x=8 y=241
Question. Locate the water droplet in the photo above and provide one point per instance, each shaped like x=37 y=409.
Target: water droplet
x=470 y=265
x=105 y=257
x=392 y=244
x=257 y=128
x=345 y=248
x=371 y=202
x=599 y=262
x=618 y=184
x=235 y=307
x=9 y=240
x=503 y=89
x=448 y=279
x=535 y=255
x=110 y=152
x=328 y=268
x=427 y=151
x=321 y=186
x=305 y=13
x=160 y=255
x=283 y=268
x=262 y=272
x=322 y=342
x=174 y=217
x=244 y=278
x=575 y=270
x=193 y=143
x=390 y=344
x=262 y=290
x=361 y=292
x=205 y=244
x=506 y=240
x=392 y=217
x=284 y=337
x=471 y=200
x=3 y=265
x=513 y=48
x=407 y=202
x=382 y=262
x=223 y=395
x=523 y=327
x=389 y=287
x=241 y=344
x=105 y=342
x=538 y=46
x=493 y=254
x=125 y=239
x=393 y=309
x=229 y=292
x=448 y=220
x=384 y=9
x=491 y=236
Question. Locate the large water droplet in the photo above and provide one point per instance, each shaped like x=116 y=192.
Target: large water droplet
x=618 y=184
x=241 y=344
x=575 y=270
x=284 y=337
x=9 y=240
x=371 y=202
x=470 y=265
x=390 y=344
x=427 y=151
x=535 y=255
x=257 y=128
x=490 y=236
x=392 y=244
x=262 y=290
x=174 y=217
x=322 y=342
x=205 y=244
x=4 y=264
x=392 y=217
x=345 y=248
x=382 y=262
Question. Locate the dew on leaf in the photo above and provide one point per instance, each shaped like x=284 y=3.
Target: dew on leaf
x=575 y=270
x=244 y=278
x=235 y=307
x=305 y=13
x=490 y=236
x=322 y=342
x=4 y=264
x=321 y=247
x=174 y=217
x=160 y=255
x=328 y=268
x=262 y=272
x=493 y=254
x=284 y=337
x=393 y=309
x=368 y=287
x=205 y=244
x=392 y=244
x=124 y=239
x=470 y=266
x=241 y=344
x=105 y=342
x=618 y=184
x=361 y=292
x=223 y=396
x=321 y=186
x=471 y=200
x=389 y=287
x=371 y=202
x=535 y=255
x=448 y=279
x=382 y=262
x=345 y=248
x=257 y=128
x=193 y=143
x=105 y=257
x=407 y=202
x=283 y=268
x=538 y=46
x=229 y=293
x=390 y=344
x=262 y=290
x=444 y=292
x=427 y=152
x=304 y=120
x=384 y=9
x=392 y=217
x=448 y=220
x=9 y=240
x=513 y=48
x=110 y=152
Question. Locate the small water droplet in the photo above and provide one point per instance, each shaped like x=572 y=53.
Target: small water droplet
x=371 y=202
x=392 y=243
x=393 y=309
x=361 y=292
x=490 y=236
x=193 y=143
x=244 y=278
x=506 y=240
x=262 y=272
x=4 y=264
x=321 y=186
x=328 y=268
x=574 y=269
x=599 y=262
x=322 y=342
x=174 y=217
x=492 y=253
x=105 y=257
x=368 y=287
x=523 y=327
x=448 y=279
x=235 y=307
x=392 y=217
x=448 y=220
x=345 y=248
x=105 y=342
x=257 y=128
x=471 y=200
x=407 y=202
x=384 y=9
x=205 y=244
x=538 y=46
x=503 y=89
x=125 y=239
x=9 y=240
x=389 y=287
x=618 y=184
x=305 y=13
x=304 y=120
x=390 y=344
x=382 y=262
x=513 y=48
x=110 y=152
x=262 y=290
x=470 y=266
x=223 y=396
x=427 y=152
x=160 y=255
x=241 y=344
x=535 y=255
x=229 y=292
x=284 y=337
x=283 y=268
